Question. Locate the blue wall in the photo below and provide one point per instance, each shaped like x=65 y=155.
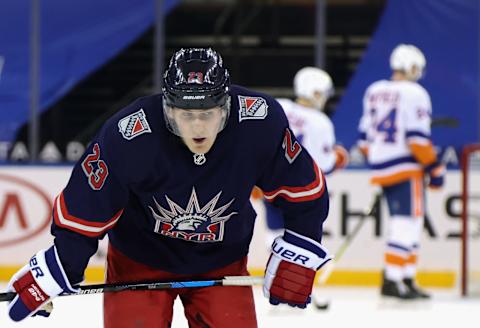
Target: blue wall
x=76 y=38
x=447 y=31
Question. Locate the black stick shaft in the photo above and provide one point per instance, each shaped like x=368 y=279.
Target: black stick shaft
x=105 y=288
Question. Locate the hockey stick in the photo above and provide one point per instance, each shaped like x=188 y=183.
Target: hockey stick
x=118 y=287
x=327 y=271
x=445 y=121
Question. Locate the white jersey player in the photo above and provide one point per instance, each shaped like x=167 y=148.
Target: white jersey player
x=315 y=132
x=313 y=87
x=395 y=137
x=313 y=128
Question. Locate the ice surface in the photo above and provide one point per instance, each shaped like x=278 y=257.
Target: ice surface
x=349 y=307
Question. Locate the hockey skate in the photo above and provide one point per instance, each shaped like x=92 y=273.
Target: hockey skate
x=412 y=286
x=397 y=289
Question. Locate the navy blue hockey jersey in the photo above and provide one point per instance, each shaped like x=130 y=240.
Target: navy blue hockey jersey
x=138 y=183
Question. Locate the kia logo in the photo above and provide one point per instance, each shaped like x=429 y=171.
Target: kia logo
x=25 y=210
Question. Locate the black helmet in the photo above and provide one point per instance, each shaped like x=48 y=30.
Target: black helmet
x=196 y=79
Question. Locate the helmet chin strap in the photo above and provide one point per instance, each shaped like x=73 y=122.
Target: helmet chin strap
x=199 y=159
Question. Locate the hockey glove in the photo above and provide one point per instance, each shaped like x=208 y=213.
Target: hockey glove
x=36 y=283
x=342 y=157
x=436 y=173
x=291 y=269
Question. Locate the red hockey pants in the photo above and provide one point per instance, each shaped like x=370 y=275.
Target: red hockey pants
x=207 y=307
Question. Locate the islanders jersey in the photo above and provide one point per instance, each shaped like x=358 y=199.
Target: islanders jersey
x=395 y=131
x=164 y=207
x=314 y=131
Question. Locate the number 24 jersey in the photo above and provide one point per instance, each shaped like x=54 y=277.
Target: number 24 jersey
x=395 y=128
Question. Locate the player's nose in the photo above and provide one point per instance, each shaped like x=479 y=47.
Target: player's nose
x=198 y=126
x=198 y=122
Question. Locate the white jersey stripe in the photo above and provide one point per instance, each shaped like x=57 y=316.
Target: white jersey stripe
x=90 y=229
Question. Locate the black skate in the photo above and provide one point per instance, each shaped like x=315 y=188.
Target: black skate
x=397 y=289
x=412 y=286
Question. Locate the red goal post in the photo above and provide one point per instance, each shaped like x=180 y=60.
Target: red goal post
x=468 y=153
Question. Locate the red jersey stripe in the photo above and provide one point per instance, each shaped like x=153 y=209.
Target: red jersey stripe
x=309 y=192
x=92 y=229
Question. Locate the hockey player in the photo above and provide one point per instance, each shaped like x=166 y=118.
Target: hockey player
x=395 y=136
x=168 y=178
x=313 y=129
x=313 y=87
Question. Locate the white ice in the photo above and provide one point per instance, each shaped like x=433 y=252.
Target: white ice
x=349 y=307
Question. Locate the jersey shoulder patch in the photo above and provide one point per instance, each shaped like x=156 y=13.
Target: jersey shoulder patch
x=133 y=125
x=252 y=108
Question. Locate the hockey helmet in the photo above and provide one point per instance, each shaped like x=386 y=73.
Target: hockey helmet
x=310 y=80
x=409 y=59
x=196 y=80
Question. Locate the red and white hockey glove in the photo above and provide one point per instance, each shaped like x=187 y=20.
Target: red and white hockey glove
x=36 y=283
x=291 y=269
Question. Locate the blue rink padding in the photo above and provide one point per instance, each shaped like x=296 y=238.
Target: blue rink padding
x=448 y=34
x=77 y=37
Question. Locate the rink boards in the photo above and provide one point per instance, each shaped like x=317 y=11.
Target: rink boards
x=27 y=193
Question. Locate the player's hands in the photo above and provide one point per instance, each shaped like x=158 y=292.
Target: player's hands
x=436 y=174
x=291 y=269
x=36 y=283
x=342 y=157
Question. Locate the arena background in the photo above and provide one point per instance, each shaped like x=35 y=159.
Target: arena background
x=68 y=67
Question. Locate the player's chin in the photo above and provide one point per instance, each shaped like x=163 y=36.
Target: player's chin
x=200 y=145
